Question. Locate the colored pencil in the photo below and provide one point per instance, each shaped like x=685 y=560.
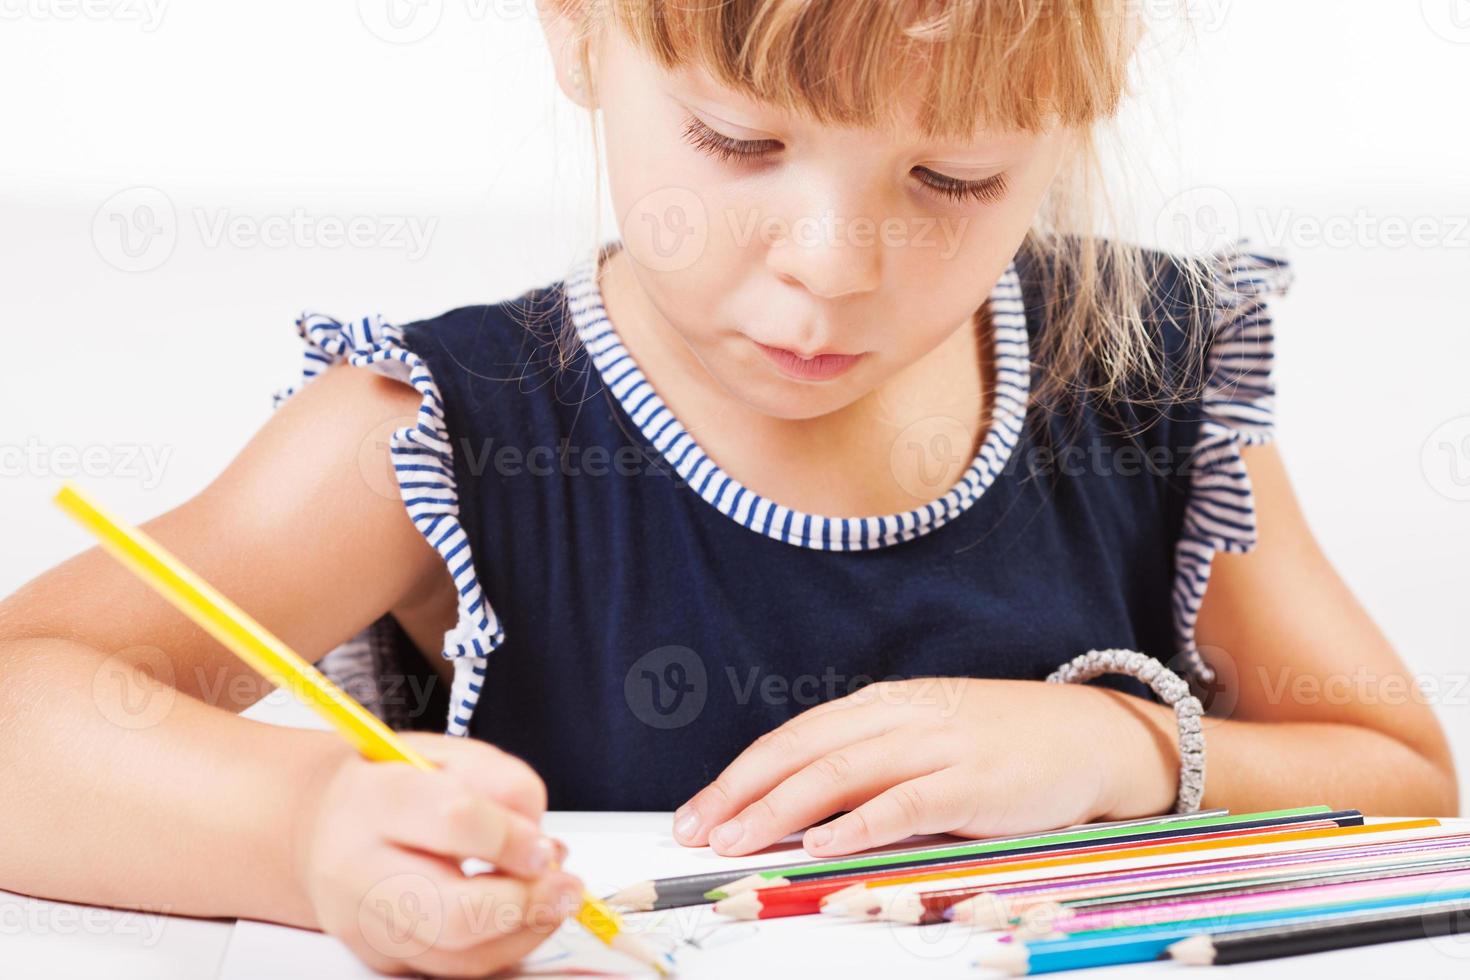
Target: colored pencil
x=1070 y=921
x=988 y=906
x=1112 y=947
x=865 y=902
x=807 y=897
x=1348 y=932
x=958 y=852
x=268 y=656
x=1042 y=920
x=681 y=890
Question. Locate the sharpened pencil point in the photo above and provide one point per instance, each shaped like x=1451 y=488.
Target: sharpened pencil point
x=907 y=908
x=732 y=888
x=838 y=898
x=1195 y=951
x=746 y=905
x=629 y=945
x=1012 y=959
x=635 y=898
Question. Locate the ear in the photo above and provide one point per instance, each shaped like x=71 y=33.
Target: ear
x=559 y=24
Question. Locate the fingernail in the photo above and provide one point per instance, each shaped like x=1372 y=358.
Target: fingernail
x=727 y=835
x=819 y=837
x=561 y=851
x=542 y=854
x=686 y=823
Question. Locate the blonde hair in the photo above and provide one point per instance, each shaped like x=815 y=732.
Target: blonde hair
x=1005 y=64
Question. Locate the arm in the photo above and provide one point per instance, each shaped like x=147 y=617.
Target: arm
x=985 y=758
x=1317 y=706
x=128 y=769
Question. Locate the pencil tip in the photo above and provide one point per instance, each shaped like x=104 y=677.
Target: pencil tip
x=1011 y=959
x=1195 y=951
x=635 y=898
x=839 y=898
x=731 y=888
x=746 y=905
x=630 y=945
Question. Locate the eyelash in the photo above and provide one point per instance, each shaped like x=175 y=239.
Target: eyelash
x=722 y=147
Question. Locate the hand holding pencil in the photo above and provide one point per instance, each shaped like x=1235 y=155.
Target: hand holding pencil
x=385 y=845
x=381 y=848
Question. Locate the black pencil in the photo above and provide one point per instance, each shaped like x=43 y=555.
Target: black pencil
x=681 y=890
x=1423 y=922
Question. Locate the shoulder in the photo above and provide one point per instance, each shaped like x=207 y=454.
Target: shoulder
x=531 y=331
x=506 y=357
x=1186 y=317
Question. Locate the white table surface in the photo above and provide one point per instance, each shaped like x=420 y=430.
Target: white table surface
x=40 y=939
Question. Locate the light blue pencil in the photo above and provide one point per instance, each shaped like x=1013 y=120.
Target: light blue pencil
x=1140 y=944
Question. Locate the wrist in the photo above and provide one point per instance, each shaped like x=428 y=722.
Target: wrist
x=293 y=806
x=1141 y=748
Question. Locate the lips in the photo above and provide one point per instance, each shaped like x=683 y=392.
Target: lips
x=819 y=367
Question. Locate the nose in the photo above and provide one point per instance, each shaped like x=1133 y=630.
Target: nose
x=828 y=255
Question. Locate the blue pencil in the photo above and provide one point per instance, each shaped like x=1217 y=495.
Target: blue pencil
x=1140 y=944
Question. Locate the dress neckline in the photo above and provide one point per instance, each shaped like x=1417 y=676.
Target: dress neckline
x=1010 y=355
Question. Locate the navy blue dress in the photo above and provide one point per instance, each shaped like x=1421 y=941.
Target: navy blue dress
x=631 y=617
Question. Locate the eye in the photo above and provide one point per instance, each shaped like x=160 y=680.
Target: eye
x=725 y=147
x=986 y=191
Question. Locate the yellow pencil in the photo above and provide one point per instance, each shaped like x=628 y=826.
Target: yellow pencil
x=278 y=663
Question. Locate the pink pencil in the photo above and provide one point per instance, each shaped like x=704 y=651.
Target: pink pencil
x=1069 y=921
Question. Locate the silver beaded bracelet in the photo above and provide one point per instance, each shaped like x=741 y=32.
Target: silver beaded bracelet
x=1172 y=690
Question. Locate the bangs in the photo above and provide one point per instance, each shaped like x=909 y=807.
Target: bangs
x=976 y=64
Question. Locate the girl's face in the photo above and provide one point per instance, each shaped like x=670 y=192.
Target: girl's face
x=804 y=265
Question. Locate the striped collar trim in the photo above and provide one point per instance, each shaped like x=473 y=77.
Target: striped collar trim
x=622 y=376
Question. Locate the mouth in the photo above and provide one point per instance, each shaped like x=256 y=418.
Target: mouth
x=817 y=367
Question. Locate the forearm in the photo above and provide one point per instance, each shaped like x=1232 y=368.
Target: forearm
x=1254 y=765
x=136 y=795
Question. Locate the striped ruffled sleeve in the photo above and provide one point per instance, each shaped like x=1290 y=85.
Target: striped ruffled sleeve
x=1237 y=410
x=423 y=465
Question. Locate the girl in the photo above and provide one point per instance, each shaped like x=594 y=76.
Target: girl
x=785 y=502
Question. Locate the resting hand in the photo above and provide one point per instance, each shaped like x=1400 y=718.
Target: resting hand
x=933 y=755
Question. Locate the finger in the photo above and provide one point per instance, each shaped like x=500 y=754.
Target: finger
x=550 y=901
x=436 y=814
x=430 y=920
x=491 y=771
x=770 y=759
x=839 y=780
x=931 y=804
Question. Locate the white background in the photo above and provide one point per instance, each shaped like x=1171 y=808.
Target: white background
x=1342 y=119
